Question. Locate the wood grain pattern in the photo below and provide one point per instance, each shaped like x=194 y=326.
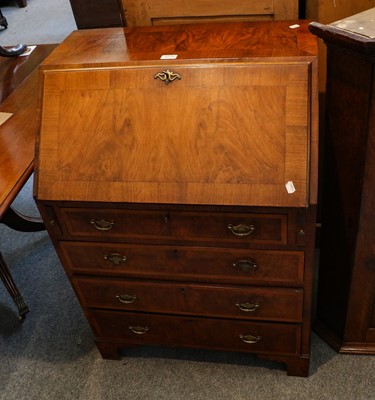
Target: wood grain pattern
x=143 y=181
x=158 y=12
x=218 y=301
x=247 y=124
x=197 y=332
x=203 y=264
x=210 y=227
x=18 y=90
x=141 y=45
x=218 y=116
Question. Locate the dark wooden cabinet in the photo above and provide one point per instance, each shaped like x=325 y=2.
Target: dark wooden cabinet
x=177 y=176
x=346 y=288
x=96 y=13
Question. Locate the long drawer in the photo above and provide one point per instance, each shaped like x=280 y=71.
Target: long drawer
x=277 y=304
x=195 y=263
x=107 y=224
x=137 y=328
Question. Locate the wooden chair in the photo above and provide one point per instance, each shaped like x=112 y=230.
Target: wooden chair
x=3 y=20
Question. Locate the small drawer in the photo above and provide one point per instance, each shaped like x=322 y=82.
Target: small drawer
x=277 y=304
x=241 y=228
x=209 y=264
x=222 y=334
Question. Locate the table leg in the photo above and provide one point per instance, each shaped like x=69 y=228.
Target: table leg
x=23 y=223
x=9 y=284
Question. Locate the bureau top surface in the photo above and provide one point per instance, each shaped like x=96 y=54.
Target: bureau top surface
x=240 y=40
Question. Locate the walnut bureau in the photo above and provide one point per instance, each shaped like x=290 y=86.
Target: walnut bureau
x=177 y=176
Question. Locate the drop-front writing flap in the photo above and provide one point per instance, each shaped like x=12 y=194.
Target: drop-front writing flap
x=228 y=133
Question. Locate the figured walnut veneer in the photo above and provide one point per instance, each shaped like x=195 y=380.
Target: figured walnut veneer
x=167 y=203
x=243 y=135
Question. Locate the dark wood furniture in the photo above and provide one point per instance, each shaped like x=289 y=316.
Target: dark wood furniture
x=96 y=13
x=177 y=176
x=326 y=12
x=18 y=95
x=346 y=288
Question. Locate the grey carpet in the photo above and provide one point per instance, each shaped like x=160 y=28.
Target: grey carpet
x=42 y=21
x=51 y=354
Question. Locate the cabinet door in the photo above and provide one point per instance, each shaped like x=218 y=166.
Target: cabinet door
x=162 y=12
x=217 y=134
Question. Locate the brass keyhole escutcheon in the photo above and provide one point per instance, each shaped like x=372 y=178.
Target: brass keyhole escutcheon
x=167 y=76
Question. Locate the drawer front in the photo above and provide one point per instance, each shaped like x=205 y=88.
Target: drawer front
x=239 y=228
x=205 y=300
x=185 y=263
x=137 y=328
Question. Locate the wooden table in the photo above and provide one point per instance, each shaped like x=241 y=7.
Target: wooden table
x=18 y=95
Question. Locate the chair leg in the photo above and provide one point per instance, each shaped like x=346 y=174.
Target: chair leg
x=3 y=20
x=22 y=3
x=8 y=281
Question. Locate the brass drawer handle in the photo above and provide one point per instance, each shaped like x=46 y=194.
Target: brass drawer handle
x=241 y=229
x=245 y=265
x=167 y=76
x=101 y=224
x=247 y=307
x=139 y=330
x=126 y=298
x=250 y=339
x=115 y=258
